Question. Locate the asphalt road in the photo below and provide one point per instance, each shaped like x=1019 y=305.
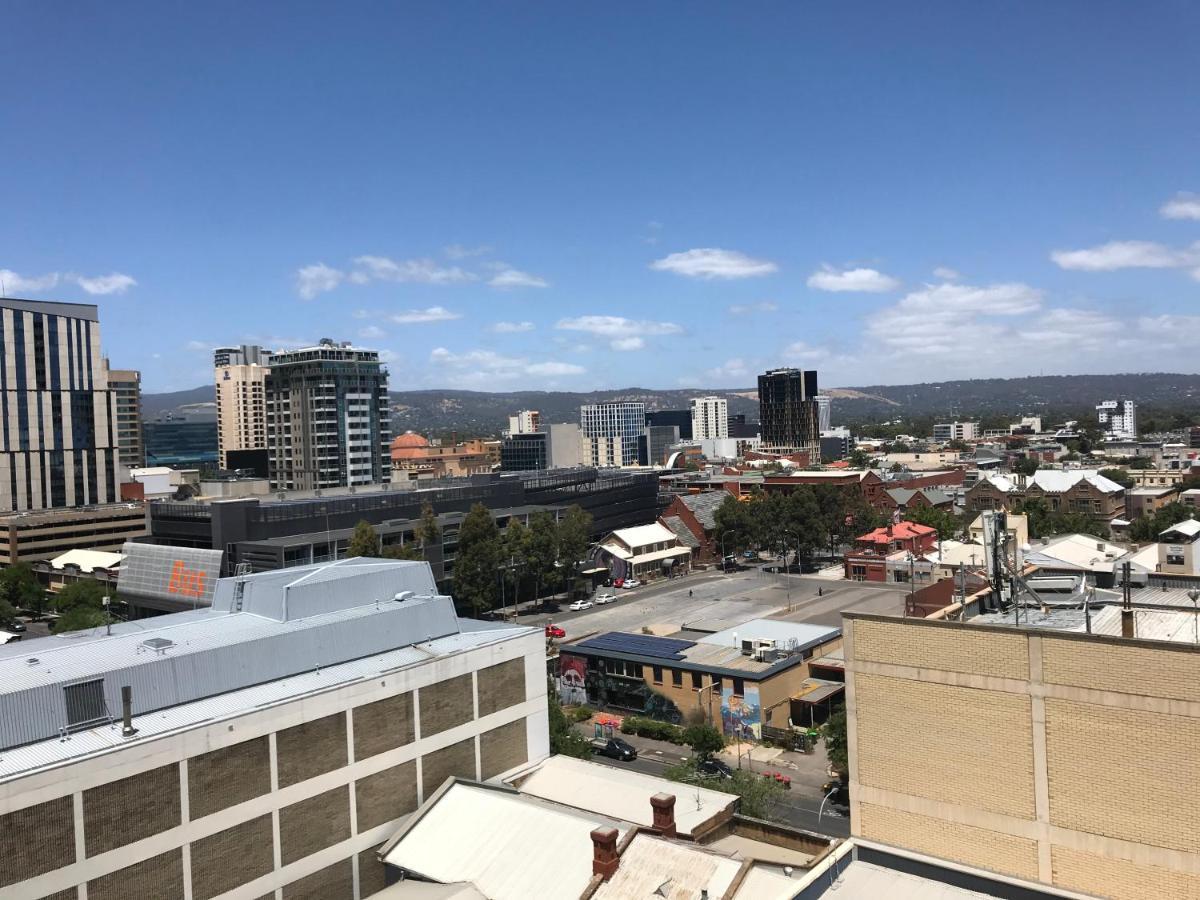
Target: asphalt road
x=798 y=807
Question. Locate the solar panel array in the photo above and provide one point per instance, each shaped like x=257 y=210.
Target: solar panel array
x=638 y=645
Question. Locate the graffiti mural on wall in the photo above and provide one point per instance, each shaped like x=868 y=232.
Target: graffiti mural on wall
x=630 y=694
x=741 y=716
x=572 y=679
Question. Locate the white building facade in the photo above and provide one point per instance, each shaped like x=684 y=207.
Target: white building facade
x=603 y=425
x=710 y=418
x=1117 y=419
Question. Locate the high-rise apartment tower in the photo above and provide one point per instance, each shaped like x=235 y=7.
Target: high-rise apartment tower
x=710 y=418
x=787 y=405
x=126 y=386
x=241 y=378
x=611 y=431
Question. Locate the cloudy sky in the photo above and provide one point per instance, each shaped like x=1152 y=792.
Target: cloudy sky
x=568 y=196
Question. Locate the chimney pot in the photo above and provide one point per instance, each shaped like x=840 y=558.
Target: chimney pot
x=127 y=729
x=604 y=852
x=664 y=814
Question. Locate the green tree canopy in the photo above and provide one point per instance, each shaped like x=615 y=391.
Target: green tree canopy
x=705 y=740
x=364 y=541
x=428 y=532
x=837 y=746
x=563 y=738
x=80 y=605
x=1120 y=476
x=20 y=588
x=409 y=551
x=574 y=537
x=1148 y=528
x=1026 y=465
x=946 y=523
x=541 y=551
x=477 y=569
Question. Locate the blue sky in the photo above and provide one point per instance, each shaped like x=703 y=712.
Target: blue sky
x=570 y=196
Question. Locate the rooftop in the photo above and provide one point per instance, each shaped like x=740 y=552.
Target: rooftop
x=641 y=535
x=87 y=560
x=901 y=531
x=1076 y=552
x=704 y=506
x=1055 y=481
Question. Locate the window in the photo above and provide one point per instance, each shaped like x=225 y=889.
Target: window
x=716 y=681
x=657 y=674
x=1174 y=560
x=696 y=681
x=739 y=687
x=676 y=678
x=85 y=704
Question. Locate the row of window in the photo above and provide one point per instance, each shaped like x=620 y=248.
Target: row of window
x=657 y=673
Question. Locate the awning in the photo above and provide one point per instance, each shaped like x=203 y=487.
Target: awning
x=659 y=555
x=817 y=690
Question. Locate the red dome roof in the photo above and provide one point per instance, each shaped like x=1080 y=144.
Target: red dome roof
x=409 y=440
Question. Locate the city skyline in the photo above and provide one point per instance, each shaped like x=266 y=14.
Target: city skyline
x=821 y=188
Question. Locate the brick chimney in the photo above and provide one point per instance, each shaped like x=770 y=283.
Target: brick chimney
x=604 y=852
x=664 y=814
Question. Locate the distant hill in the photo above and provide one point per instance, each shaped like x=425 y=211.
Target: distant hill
x=1053 y=396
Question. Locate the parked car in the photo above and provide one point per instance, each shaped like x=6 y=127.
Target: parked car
x=13 y=625
x=614 y=748
x=749 y=554
x=555 y=631
x=605 y=597
x=837 y=791
x=580 y=605
x=617 y=582
x=713 y=768
x=631 y=583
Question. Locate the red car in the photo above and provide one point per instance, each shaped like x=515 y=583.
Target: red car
x=554 y=631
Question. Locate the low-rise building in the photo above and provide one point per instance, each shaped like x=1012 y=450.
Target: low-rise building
x=955 y=431
x=904 y=499
x=1082 y=491
x=1179 y=549
x=269 y=742
x=741 y=679
x=43 y=535
x=414 y=458
x=645 y=552
x=1146 y=501
x=693 y=519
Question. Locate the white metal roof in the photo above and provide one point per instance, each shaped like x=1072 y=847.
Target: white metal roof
x=1056 y=481
x=621 y=793
x=641 y=535
x=511 y=847
x=1189 y=527
x=772 y=630
x=652 y=867
x=1077 y=551
x=87 y=560
x=1001 y=483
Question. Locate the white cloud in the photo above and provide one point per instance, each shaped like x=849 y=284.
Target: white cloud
x=868 y=281
x=728 y=371
x=113 y=283
x=419 y=271
x=480 y=368
x=1182 y=206
x=458 y=251
x=712 y=262
x=371 y=332
x=946 y=273
x=1077 y=328
x=799 y=351
x=653 y=232
x=514 y=278
x=420 y=316
x=1127 y=255
x=622 y=333
x=766 y=306
x=14 y=284
x=198 y=346
x=316 y=279
x=512 y=327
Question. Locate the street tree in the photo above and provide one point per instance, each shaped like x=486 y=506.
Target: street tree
x=477 y=569
x=364 y=541
x=515 y=556
x=428 y=532
x=574 y=533
x=80 y=605
x=20 y=588
x=541 y=551
x=409 y=551
x=705 y=740
x=944 y=522
x=836 y=743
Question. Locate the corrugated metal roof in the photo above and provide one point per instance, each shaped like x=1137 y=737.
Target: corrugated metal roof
x=322 y=621
x=777 y=630
x=641 y=535
x=652 y=867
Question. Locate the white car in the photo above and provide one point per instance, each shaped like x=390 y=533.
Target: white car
x=601 y=599
x=631 y=583
x=580 y=605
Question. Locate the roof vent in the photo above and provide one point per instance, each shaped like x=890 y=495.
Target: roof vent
x=32 y=661
x=158 y=645
x=404 y=595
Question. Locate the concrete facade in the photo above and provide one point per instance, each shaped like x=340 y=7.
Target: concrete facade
x=288 y=800
x=1062 y=758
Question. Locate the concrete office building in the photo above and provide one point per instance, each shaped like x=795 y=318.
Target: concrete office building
x=710 y=418
x=126 y=387
x=320 y=707
x=555 y=446
x=328 y=419
x=611 y=431
x=1117 y=419
x=788 y=412
x=652 y=446
x=527 y=421
x=58 y=446
x=1015 y=718
x=240 y=374
x=955 y=431
x=186 y=439
x=680 y=418
x=45 y=534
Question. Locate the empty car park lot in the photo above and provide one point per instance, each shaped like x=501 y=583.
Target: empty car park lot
x=738 y=596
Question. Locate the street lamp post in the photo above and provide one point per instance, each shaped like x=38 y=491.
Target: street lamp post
x=1194 y=596
x=724 y=565
x=821 y=811
x=787 y=570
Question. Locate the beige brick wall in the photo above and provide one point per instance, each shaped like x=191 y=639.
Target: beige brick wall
x=160 y=877
x=949 y=648
x=501 y=686
x=334 y=882
x=446 y=704
x=1120 y=879
x=961 y=843
x=457 y=759
x=1125 y=668
x=36 y=839
x=307 y=750
x=933 y=741
x=1124 y=773
x=386 y=795
x=124 y=811
x=371 y=873
x=314 y=824
x=383 y=725
x=228 y=776
x=222 y=861
x=502 y=749
x=68 y=894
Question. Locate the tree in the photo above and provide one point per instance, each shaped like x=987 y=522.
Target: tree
x=734 y=525
x=943 y=521
x=1148 y=528
x=428 y=532
x=541 y=551
x=1120 y=476
x=515 y=555
x=563 y=738
x=364 y=541
x=408 y=551
x=574 y=532
x=1026 y=465
x=859 y=459
x=477 y=569
x=1141 y=462
x=705 y=740
x=80 y=605
x=837 y=747
x=758 y=797
x=20 y=588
